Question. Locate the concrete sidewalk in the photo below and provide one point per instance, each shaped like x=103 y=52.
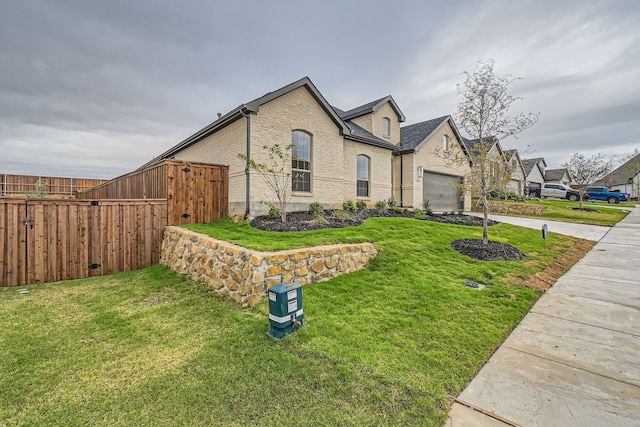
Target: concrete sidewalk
x=574 y=360
x=582 y=231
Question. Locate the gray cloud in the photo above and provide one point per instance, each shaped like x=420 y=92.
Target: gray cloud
x=98 y=88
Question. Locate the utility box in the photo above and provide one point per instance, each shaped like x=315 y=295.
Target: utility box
x=285 y=309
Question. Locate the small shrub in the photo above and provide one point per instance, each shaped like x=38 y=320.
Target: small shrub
x=381 y=204
x=349 y=206
x=418 y=214
x=315 y=208
x=391 y=202
x=426 y=205
x=397 y=209
x=38 y=190
x=274 y=212
x=361 y=205
x=495 y=194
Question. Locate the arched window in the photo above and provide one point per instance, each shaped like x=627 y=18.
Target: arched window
x=386 y=126
x=363 y=176
x=301 y=161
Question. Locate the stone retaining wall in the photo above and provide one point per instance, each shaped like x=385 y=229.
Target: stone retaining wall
x=507 y=208
x=245 y=275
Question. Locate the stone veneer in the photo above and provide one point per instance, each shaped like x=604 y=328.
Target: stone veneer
x=245 y=275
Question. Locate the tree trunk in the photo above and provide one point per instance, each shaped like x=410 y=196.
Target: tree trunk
x=485 y=217
x=580 y=194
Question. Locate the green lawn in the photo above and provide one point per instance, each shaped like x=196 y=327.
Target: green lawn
x=558 y=210
x=389 y=345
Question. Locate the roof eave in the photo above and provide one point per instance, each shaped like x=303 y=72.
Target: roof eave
x=380 y=144
x=374 y=108
x=224 y=121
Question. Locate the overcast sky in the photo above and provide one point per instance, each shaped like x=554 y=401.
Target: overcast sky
x=97 y=88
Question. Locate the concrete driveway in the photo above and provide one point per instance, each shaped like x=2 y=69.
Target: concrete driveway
x=582 y=231
x=574 y=360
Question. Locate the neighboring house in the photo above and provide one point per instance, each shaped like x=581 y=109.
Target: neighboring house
x=422 y=171
x=500 y=164
x=534 y=171
x=625 y=178
x=518 y=175
x=336 y=156
x=557 y=176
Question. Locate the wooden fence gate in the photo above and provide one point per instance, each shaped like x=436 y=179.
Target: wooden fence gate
x=52 y=240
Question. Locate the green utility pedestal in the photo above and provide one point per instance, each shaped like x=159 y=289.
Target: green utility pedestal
x=285 y=309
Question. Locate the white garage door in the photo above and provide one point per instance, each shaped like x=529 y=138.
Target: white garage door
x=442 y=192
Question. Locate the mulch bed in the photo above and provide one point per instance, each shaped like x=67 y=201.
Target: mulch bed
x=475 y=248
x=583 y=209
x=329 y=218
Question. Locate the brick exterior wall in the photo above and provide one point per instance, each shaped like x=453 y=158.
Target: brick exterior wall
x=427 y=157
x=373 y=123
x=380 y=172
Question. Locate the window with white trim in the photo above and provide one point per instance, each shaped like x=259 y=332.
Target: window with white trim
x=301 y=161
x=446 y=143
x=386 y=126
x=363 y=176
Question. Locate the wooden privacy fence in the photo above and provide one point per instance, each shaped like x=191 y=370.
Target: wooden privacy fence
x=195 y=192
x=51 y=240
x=55 y=186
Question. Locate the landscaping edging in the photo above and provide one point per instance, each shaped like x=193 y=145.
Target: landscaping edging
x=245 y=275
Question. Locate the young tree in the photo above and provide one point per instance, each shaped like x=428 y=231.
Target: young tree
x=483 y=114
x=585 y=171
x=38 y=190
x=275 y=173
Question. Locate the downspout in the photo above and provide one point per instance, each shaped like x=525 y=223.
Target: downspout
x=247 y=211
x=401 y=180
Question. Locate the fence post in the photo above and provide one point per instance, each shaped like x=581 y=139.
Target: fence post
x=4 y=185
x=71 y=187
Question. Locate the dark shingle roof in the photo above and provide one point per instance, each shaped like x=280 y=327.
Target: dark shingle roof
x=555 y=174
x=528 y=165
x=510 y=153
x=252 y=107
x=540 y=159
x=624 y=173
x=362 y=135
x=370 y=107
x=411 y=136
x=473 y=144
x=362 y=110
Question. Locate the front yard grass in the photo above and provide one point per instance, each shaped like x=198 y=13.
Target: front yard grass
x=558 y=210
x=389 y=345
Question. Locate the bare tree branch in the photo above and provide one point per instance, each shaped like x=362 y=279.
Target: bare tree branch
x=483 y=113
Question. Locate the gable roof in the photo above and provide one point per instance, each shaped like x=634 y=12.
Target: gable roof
x=510 y=153
x=529 y=164
x=372 y=107
x=540 y=159
x=413 y=136
x=360 y=134
x=474 y=144
x=252 y=107
x=624 y=173
x=555 y=174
